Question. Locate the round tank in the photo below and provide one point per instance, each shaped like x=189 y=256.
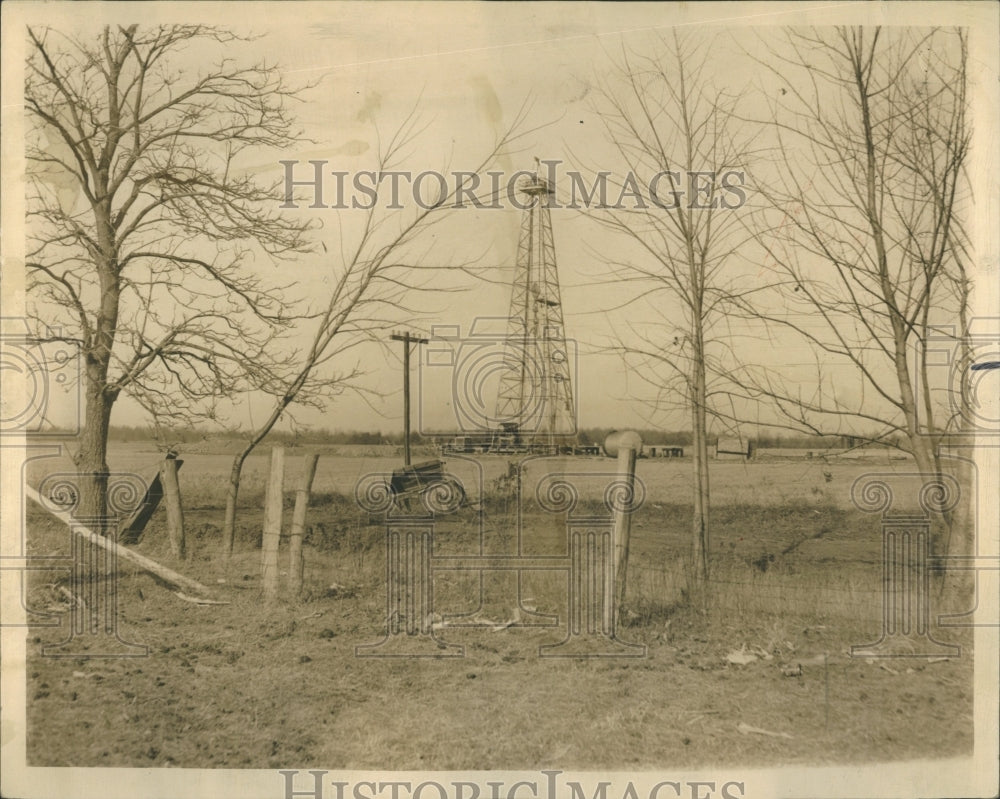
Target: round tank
x=622 y=439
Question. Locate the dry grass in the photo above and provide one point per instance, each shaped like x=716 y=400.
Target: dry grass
x=796 y=580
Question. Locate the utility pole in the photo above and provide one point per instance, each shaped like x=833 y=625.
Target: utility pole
x=407 y=338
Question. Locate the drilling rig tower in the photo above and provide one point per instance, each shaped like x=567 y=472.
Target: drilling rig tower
x=535 y=407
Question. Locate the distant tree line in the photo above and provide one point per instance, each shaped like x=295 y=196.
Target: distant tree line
x=586 y=436
x=189 y=435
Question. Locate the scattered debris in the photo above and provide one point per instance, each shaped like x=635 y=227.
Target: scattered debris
x=746 y=729
x=763 y=561
x=199 y=600
x=514 y=619
x=73 y=597
x=741 y=657
x=700 y=715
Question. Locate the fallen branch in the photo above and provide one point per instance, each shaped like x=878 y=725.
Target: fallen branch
x=167 y=575
x=746 y=729
x=199 y=600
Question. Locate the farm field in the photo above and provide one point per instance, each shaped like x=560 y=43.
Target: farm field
x=761 y=676
x=778 y=477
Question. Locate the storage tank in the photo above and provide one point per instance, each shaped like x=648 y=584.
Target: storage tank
x=622 y=439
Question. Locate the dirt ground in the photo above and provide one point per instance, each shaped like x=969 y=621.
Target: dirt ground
x=760 y=676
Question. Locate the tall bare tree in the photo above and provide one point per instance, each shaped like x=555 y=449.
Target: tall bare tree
x=865 y=229
x=864 y=232
x=141 y=226
x=685 y=164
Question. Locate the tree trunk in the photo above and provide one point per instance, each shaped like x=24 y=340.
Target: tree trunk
x=962 y=540
x=92 y=457
x=700 y=523
x=232 y=494
x=229 y=524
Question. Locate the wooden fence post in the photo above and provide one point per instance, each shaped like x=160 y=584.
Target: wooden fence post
x=272 y=523
x=295 y=562
x=623 y=525
x=175 y=513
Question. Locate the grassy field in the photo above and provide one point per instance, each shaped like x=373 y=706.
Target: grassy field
x=796 y=581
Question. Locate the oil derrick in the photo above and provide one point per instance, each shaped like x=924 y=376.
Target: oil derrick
x=535 y=397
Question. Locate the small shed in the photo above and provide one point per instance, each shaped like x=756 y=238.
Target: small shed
x=665 y=451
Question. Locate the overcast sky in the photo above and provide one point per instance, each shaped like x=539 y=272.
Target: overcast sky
x=467 y=70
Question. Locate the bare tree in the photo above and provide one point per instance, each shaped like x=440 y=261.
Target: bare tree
x=864 y=232
x=386 y=258
x=685 y=164
x=141 y=225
